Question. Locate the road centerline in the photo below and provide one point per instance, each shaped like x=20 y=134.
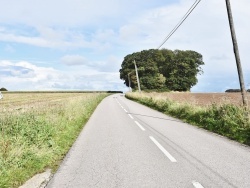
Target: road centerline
x=139 y=125
x=169 y=156
x=130 y=116
x=197 y=184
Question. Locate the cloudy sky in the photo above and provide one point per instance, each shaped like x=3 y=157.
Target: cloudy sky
x=80 y=44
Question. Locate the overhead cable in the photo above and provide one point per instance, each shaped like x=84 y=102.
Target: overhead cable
x=181 y=21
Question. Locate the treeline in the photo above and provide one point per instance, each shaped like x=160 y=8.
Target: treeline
x=234 y=90
x=162 y=69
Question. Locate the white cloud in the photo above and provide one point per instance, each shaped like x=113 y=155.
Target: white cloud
x=74 y=13
x=36 y=41
x=80 y=33
x=110 y=64
x=27 y=76
x=24 y=75
x=47 y=38
x=104 y=35
x=74 y=60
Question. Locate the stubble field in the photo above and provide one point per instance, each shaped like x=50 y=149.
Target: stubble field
x=37 y=129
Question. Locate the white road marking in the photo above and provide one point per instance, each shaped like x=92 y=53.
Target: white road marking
x=130 y=116
x=122 y=106
x=197 y=184
x=171 y=158
x=125 y=110
x=139 y=125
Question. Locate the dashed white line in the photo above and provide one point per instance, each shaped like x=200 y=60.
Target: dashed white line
x=139 y=125
x=171 y=158
x=197 y=184
x=125 y=110
x=130 y=116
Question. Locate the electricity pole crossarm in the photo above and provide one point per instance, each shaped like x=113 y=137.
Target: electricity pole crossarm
x=236 y=52
x=137 y=77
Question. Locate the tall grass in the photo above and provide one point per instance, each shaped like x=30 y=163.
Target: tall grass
x=37 y=136
x=225 y=119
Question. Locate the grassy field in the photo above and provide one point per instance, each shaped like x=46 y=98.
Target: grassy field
x=219 y=113
x=37 y=129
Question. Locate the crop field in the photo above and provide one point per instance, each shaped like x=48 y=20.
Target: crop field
x=37 y=130
x=201 y=99
x=221 y=113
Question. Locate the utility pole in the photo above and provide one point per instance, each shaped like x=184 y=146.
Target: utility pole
x=137 y=77
x=1 y=95
x=236 y=53
x=129 y=82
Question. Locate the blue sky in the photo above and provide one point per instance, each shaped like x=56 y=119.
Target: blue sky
x=80 y=44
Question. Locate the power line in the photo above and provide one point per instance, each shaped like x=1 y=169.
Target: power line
x=181 y=21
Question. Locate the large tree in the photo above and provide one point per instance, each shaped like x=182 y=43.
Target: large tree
x=162 y=69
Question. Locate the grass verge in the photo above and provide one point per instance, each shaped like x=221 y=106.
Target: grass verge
x=38 y=135
x=225 y=119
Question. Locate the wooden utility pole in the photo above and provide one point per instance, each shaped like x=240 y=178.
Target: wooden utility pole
x=1 y=95
x=129 y=82
x=236 y=53
x=137 y=77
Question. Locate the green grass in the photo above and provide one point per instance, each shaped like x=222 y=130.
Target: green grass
x=37 y=136
x=225 y=119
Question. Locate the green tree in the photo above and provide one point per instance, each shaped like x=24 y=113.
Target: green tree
x=181 y=69
x=3 y=89
x=163 y=69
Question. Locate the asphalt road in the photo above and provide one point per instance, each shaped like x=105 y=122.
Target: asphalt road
x=125 y=144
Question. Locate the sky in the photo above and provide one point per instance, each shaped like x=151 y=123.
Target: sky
x=80 y=44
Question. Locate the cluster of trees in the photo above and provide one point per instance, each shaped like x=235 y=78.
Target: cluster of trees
x=162 y=69
x=235 y=90
x=3 y=89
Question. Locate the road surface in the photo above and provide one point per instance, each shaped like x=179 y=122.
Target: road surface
x=125 y=144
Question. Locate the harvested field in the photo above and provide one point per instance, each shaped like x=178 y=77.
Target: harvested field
x=37 y=130
x=201 y=99
x=28 y=101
